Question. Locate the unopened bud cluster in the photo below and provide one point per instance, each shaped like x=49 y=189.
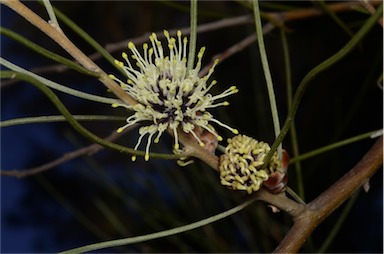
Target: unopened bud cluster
x=240 y=166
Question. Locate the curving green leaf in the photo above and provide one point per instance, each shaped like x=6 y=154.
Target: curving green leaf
x=267 y=72
x=51 y=119
x=330 y=147
x=48 y=54
x=157 y=235
x=371 y=21
x=75 y=124
x=86 y=37
x=57 y=86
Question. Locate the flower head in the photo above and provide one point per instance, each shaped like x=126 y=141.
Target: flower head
x=240 y=166
x=169 y=95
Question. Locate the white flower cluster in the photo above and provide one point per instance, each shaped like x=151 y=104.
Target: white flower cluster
x=169 y=95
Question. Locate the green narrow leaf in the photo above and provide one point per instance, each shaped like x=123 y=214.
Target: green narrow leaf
x=371 y=21
x=336 y=145
x=57 y=86
x=193 y=35
x=267 y=73
x=157 y=235
x=293 y=133
x=48 y=54
x=75 y=124
x=51 y=119
x=86 y=37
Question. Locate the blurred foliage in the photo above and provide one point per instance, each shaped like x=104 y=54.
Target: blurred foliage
x=107 y=196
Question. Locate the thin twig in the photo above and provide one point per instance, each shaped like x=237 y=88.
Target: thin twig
x=52 y=16
x=76 y=125
x=299 y=14
x=241 y=45
x=371 y=21
x=57 y=118
x=88 y=150
x=287 y=204
x=212 y=26
x=267 y=74
x=68 y=46
x=113 y=47
x=193 y=35
x=279 y=17
x=369 y=6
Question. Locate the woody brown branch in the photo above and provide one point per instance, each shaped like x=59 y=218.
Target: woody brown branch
x=68 y=46
x=331 y=199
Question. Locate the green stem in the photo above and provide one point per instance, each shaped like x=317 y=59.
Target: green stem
x=296 y=197
x=157 y=235
x=267 y=72
x=324 y=7
x=57 y=86
x=193 y=35
x=316 y=71
x=333 y=146
x=75 y=124
x=48 y=54
x=68 y=46
x=293 y=132
x=51 y=14
x=51 y=119
x=86 y=37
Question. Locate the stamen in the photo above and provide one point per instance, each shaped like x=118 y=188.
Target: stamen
x=199 y=57
x=229 y=91
x=225 y=103
x=168 y=96
x=225 y=126
x=185 y=41
x=206 y=77
x=201 y=143
x=146 y=157
x=176 y=146
x=142 y=134
x=120 y=130
x=145 y=49
x=160 y=128
x=141 y=62
x=180 y=45
x=214 y=82
x=153 y=40
x=213 y=132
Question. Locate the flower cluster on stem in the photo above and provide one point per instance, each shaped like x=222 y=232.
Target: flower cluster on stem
x=240 y=165
x=169 y=96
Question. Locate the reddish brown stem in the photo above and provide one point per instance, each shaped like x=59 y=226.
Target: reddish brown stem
x=88 y=150
x=299 y=14
x=331 y=199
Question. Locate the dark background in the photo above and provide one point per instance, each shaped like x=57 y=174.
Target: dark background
x=107 y=196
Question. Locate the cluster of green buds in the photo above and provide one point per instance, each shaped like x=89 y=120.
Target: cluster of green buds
x=241 y=166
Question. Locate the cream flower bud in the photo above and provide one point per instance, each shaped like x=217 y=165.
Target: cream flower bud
x=240 y=165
